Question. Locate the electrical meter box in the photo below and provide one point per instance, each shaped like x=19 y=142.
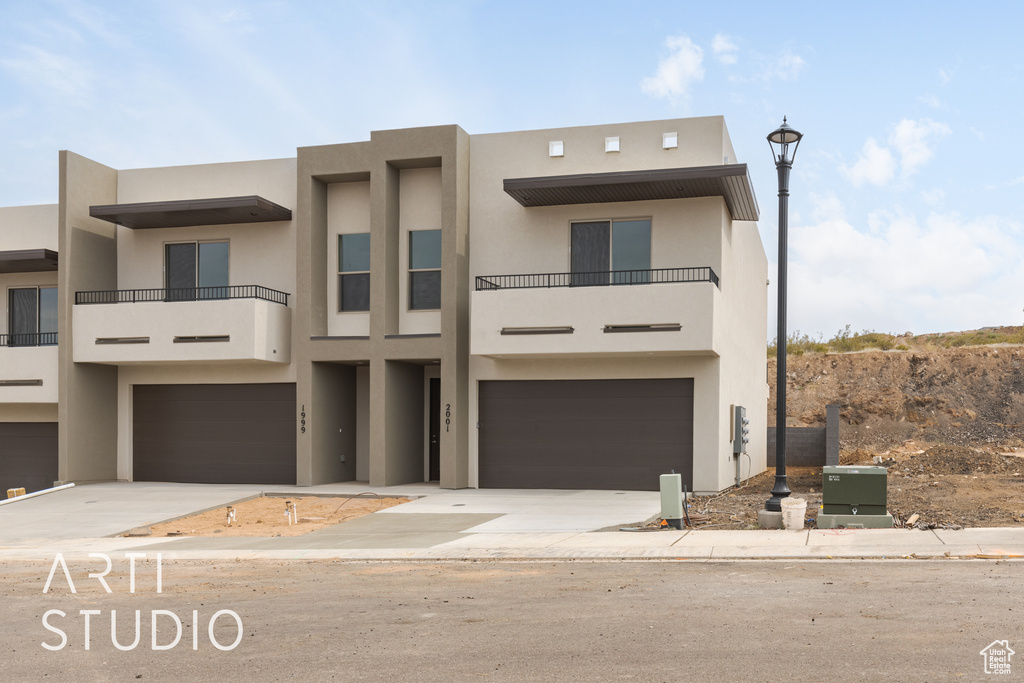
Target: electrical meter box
x=854 y=490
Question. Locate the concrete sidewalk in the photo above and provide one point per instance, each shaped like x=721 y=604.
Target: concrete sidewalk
x=467 y=524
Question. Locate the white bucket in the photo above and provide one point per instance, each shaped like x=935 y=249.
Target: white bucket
x=793 y=512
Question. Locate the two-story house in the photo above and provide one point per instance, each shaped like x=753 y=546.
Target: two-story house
x=567 y=308
x=619 y=307
x=28 y=347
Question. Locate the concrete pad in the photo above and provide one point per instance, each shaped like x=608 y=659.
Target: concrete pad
x=744 y=538
x=866 y=537
x=997 y=536
x=622 y=540
x=511 y=540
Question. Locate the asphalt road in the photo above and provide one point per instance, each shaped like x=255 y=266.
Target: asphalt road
x=517 y=621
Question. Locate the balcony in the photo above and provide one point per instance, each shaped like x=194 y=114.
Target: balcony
x=664 y=312
x=238 y=323
x=28 y=368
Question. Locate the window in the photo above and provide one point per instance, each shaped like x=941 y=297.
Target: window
x=196 y=270
x=354 y=272
x=32 y=316
x=424 y=270
x=611 y=252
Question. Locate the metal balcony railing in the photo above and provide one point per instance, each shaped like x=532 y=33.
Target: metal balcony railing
x=596 y=279
x=124 y=296
x=34 y=339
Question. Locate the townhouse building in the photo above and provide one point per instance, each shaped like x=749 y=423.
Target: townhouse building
x=566 y=308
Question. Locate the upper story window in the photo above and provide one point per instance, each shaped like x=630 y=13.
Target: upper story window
x=354 y=272
x=196 y=270
x=32 y=316
x=424 y=269
x=611 y=252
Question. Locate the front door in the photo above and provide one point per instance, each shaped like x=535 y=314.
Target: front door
x=435 y=429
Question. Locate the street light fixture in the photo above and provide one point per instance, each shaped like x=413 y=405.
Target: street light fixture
x=780 y=141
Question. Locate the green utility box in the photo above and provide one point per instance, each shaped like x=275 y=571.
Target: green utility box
x=854 y=490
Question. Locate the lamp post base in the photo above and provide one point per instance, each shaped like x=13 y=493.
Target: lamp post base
x=780 y=491
x=767 y=519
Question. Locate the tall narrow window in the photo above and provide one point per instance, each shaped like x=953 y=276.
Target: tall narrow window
x=196 y=270
x=425 y=269
x=354 y=272
x=32 y=316
x=610 y=252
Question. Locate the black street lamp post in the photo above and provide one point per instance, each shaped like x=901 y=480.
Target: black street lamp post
x=780 y=141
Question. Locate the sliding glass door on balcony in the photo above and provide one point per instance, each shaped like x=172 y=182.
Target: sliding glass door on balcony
x=610 y=252
x=32 y=316
x=196 y=270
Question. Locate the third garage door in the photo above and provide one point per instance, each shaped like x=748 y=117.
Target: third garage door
x=214 y=433
x=585 y=434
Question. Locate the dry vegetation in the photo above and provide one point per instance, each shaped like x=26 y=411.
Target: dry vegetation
x=267 y=516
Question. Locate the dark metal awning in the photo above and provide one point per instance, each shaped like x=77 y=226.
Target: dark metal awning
x=28 y=261
x=729 y=181
x=188 y=212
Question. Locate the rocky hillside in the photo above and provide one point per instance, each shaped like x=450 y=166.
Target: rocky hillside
x=968 y=396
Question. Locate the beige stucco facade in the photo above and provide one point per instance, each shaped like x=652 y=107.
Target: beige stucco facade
x=390 y=395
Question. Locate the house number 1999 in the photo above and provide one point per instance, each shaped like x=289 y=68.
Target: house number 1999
x=447 y=417
x=302 y=422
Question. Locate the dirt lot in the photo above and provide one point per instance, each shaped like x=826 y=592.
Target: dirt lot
x=270 y=516
x=944 y=485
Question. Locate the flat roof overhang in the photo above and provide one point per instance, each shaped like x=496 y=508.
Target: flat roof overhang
x=729 y=181
x=28 y=261
x=190 y=212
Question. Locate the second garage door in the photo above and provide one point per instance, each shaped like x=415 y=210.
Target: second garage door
x=585 y=434
x=28 y=455
x=214 y=433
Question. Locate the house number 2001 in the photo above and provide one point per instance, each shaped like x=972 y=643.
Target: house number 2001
x=302 y=422
x=447 y=417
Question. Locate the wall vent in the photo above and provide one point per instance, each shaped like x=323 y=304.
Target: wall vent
x=654 y=327
x=199 y=339
x=122 y=340
x=566 y=329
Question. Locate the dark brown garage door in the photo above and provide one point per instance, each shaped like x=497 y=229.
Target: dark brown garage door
x=28 y=455
x=215 y=433
x=585 y=434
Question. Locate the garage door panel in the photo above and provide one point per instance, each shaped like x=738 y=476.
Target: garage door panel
x=589 y=457
x=211 y=433
x=28 y=455
x=586 y=387
x=574 y=431
x=205 y=473
x=218 y=432
x=213 y=411
x=561 y=477
x=600 y=434
x=588 y=408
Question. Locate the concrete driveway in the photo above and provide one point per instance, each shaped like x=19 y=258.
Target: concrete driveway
x=106 y=510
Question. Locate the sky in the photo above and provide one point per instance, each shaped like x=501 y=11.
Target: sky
x=905 y=209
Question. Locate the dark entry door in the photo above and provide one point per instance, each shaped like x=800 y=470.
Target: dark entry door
x=435 y=429
x=585 y=434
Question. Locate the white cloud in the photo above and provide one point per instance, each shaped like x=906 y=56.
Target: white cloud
x=61 y=76
x=945 y=272
x=677 y=72
x=977 y=133
x=945 y=76
x=934 y=196
x=914 y=141
x=785 y=66
x=725 y=50
x=930 y=100
x=876 y=165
